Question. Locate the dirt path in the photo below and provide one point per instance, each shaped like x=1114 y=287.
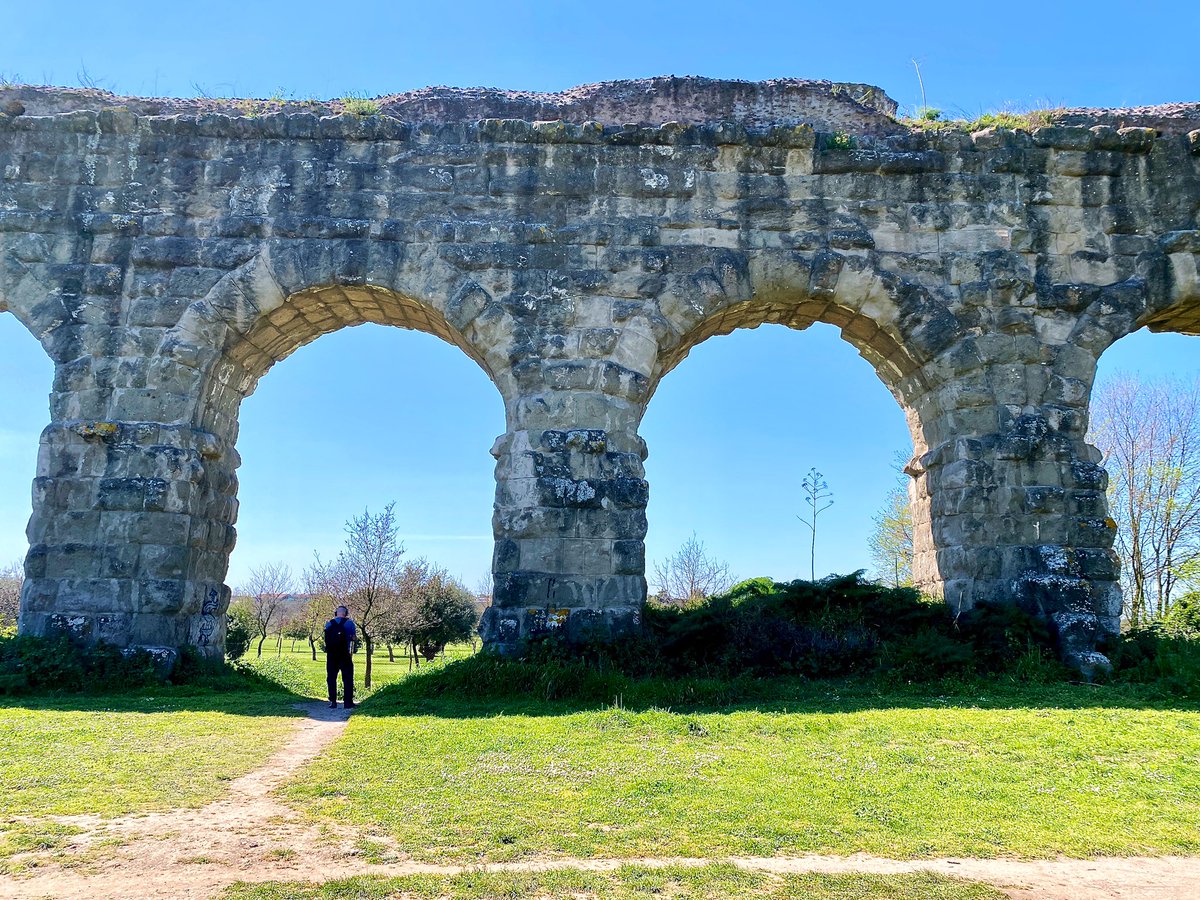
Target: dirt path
x=248 y=835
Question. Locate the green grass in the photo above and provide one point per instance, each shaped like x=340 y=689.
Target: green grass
x=360 y=106
x=157 y=749
x=713 y=882
x=1024 y=120
x=1026 y=771
x=298 y=671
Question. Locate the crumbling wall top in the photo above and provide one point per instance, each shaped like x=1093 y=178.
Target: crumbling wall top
x=825 y=105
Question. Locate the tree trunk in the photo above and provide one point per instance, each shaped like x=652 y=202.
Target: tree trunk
x=370 y=647
x=261 y=640
x=312 y=642
x=415 y=656
x=391 y=652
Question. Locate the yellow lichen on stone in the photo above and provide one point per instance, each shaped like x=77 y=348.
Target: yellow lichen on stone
x=88 y=430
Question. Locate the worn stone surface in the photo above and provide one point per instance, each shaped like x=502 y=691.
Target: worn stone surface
x=166 y=262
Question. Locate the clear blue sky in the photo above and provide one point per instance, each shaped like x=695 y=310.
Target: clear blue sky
x=734 y=428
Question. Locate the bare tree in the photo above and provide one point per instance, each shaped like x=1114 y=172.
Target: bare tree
x=818 y=498
x=313 y=612
x=1149 y=433
x=266 y=588
x=12 y=577
x=691 y=574
x=364 y=574
x=891 y=540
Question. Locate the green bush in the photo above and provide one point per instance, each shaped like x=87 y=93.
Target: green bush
x=1184 y=615
x=360 y=106
x=836 y=627
x=1157 y=654
x=240 y=631
x=839 y=140
x=29 y=663
x=725 y=648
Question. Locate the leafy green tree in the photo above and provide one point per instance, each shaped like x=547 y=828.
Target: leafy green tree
x=445 y=614
x=1184 y=615
x=430 y=609
x=891 y=541
x=241 y=628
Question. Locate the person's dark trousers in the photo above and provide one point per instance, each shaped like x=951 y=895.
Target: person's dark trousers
x=335 y=663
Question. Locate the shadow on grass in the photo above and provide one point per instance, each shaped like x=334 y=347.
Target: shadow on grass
x=485 y=686
x=235 y=693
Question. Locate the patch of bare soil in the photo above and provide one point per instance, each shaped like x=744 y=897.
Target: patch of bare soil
x=248 y=835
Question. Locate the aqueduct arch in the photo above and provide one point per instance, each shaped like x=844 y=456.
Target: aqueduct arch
x=862 y=303
x=166 y=253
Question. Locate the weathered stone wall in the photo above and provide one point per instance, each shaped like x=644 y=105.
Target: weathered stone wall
x=166 y=262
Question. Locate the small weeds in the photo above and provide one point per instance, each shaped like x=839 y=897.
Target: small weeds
x=360 y=106
x=1013 y=120
x=839 y=140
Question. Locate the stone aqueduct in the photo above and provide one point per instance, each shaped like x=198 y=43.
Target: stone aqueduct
x=167 y=253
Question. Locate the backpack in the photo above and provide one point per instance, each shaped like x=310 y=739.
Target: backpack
x=337 y=638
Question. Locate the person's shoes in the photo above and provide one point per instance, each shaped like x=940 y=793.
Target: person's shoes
x=333 y=705
x=349 y=705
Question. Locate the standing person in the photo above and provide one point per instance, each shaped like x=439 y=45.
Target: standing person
x=340 y=635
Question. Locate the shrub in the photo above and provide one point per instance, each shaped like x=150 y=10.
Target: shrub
x=1156 y=654
x=1000 y=633
x=29 y=663
x=838 y=626
x=1184 y=615
x=928 y=654
x=240 y=631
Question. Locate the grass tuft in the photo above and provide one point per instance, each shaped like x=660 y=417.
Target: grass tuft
x=360 y=106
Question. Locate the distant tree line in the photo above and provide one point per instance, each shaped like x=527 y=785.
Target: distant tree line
x=411 y=604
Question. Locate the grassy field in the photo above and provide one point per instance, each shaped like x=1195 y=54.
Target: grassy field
x=130 y=753
x=1026 y=771
x=295 y=667
x=126 y=753
x=973 y=769
x=715 y=882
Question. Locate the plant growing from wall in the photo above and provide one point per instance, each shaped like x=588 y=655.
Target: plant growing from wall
x=360 y=106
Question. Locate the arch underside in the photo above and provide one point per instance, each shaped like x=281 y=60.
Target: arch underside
x=896 y=367
x=1183 y=318
x=308 y=314
x=1182 y=314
